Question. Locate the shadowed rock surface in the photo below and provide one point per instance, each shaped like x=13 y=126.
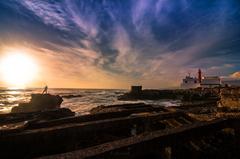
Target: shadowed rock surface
x=184 y=95
x=39 y=102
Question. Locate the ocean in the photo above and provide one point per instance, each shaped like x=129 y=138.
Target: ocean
x=89 y=98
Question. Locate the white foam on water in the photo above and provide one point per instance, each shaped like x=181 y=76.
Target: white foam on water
x=89 y=99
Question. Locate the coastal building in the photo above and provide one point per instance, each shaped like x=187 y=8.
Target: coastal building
x=211 y=82
x=190 y=82
x=200 y=81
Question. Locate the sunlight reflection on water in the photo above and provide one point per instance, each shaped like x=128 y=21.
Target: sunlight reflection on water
x=89 y=99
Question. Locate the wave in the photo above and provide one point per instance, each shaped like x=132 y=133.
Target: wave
x=78 y=100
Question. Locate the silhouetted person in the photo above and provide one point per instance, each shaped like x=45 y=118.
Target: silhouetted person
x=45 y=90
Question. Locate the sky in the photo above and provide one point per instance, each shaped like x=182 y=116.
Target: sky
x=118 y=43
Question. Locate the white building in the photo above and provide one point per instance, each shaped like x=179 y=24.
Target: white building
x=204 y=82
x=190 y=82
x=210 y=82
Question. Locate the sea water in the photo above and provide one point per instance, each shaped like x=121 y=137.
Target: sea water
x=89 y=98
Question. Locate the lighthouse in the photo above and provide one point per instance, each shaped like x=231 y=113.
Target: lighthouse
x=201 y=81
x=199 y=76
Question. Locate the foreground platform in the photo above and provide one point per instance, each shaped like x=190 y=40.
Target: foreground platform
x=125 y=131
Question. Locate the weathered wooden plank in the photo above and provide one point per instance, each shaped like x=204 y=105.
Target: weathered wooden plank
x=164 y=137
x=92 y=117
x=68 y=136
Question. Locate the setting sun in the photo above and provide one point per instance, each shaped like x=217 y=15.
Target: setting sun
x=17 y=69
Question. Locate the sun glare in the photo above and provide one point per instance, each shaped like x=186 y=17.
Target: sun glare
x=17 y=69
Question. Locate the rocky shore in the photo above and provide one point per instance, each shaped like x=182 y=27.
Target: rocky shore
x=206 y=129
x=181 y=94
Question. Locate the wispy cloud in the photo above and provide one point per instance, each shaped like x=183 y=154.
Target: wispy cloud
x=150 y=42
x=51 y=13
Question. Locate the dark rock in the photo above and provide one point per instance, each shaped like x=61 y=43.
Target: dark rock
x=55 y=114
x=72 y=96
x=36 y=116
x=133 y=107
x=39 y=102
x=149 y=94
x=177 y=94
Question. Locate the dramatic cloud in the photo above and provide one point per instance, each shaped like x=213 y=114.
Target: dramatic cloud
x=236 y=75
x=116 y=43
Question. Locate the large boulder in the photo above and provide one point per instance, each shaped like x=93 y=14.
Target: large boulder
x=39 y=102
